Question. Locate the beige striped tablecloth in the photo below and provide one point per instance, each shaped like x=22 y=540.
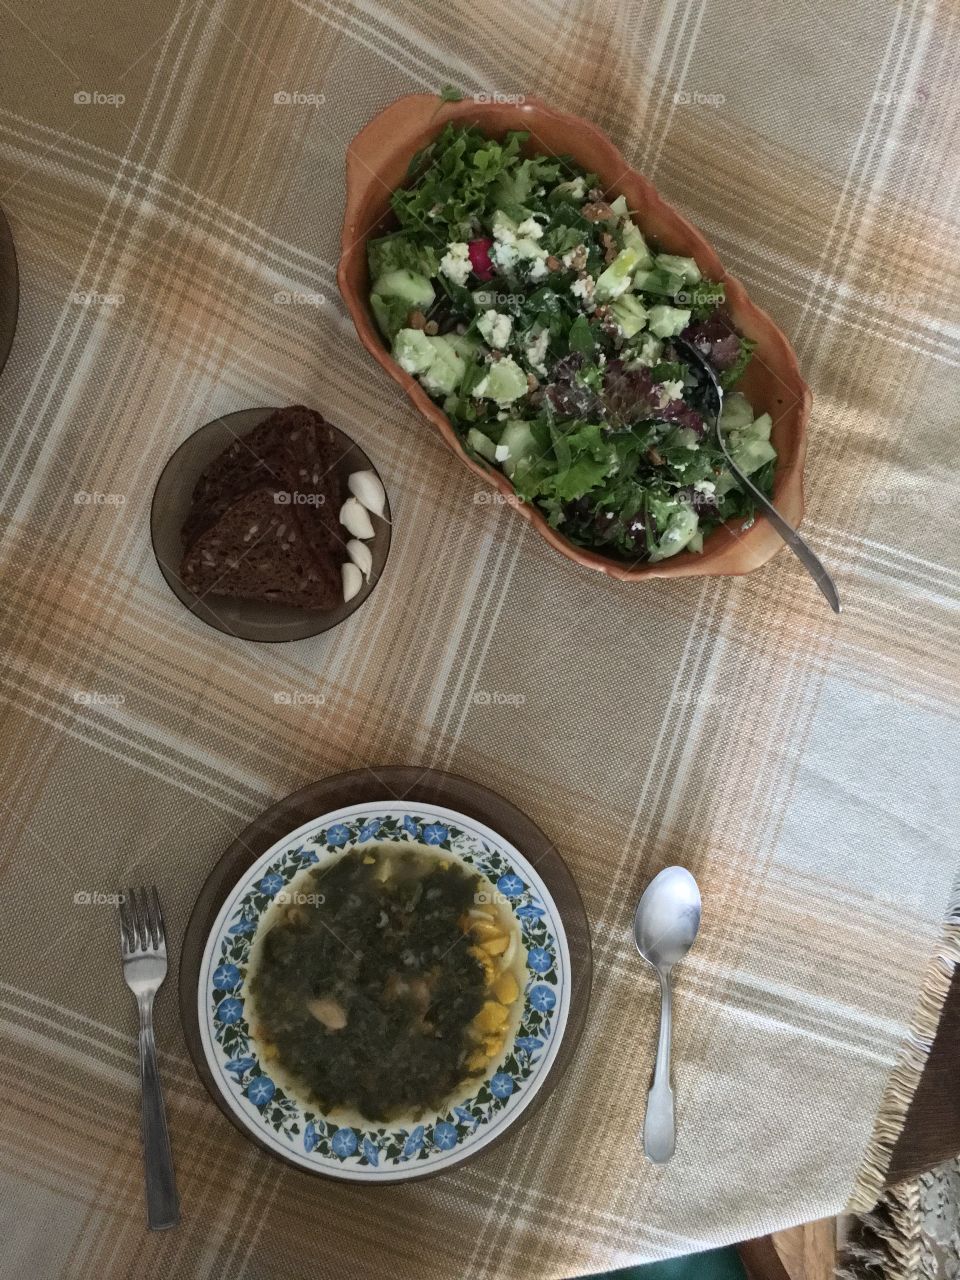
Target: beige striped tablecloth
x=173 y=176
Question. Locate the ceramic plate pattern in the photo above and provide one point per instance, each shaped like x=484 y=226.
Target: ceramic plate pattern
x=382 y=1152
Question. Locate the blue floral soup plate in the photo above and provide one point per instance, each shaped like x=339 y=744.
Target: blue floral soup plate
x=369 y=1151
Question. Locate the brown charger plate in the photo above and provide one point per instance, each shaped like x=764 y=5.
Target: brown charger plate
x=9 y=290
x=397 y=783
x=248 y=619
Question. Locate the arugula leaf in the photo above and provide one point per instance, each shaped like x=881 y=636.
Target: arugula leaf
x=580 y=337
x=731 y=376
x=402 y=250
x=390 y=314
x=450 y=94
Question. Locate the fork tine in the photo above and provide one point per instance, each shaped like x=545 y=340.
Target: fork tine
x=143 y=939
x=149 y=898
x=146 y=923
x=128 y=935
x=159 y=936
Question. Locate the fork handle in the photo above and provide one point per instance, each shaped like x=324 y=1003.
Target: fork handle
x=163 y=1206
x=797 y=544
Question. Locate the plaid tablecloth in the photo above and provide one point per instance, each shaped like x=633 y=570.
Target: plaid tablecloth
x=173 y=176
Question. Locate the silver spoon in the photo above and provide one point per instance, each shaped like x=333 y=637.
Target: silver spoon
x=664 y=927
x=801 y=549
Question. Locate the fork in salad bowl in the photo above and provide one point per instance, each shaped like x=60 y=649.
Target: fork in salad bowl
x=143 y=948
x=800 y=548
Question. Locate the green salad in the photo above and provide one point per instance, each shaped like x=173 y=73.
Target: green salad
x=538 y=315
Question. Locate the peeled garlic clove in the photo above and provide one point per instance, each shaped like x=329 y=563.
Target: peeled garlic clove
x=367 y=489
x=354 y=517
x=361 y=555
x=352 y=580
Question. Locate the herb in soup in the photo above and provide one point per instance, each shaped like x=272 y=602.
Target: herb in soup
x=383 y=987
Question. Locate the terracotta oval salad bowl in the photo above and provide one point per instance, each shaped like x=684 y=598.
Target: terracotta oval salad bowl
x=378 y=161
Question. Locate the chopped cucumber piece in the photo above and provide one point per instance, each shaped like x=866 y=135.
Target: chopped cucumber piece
x=681 y=525
x=517 y=445
x=761 y=427
x=667 y=322
x=615 y=280
x=736 y=413
x=408 y=285
x=482 y=444
x=503 y=382
x=751 y=454
x=664 y=283
x=435 y=361
x=686 y=268
x=629 y=313
x=445 y=371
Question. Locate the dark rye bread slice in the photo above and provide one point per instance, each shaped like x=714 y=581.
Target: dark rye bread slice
x=249 y=461
x=286 y=451
x=312 y=456
x=256 y=551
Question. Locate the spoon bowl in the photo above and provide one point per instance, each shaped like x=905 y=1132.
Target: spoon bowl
x=667 y=917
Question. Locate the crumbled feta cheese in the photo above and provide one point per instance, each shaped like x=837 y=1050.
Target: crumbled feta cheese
x=504 y=254
x=455 y=263
x=705 y=486
x=669 y=391
x=503 y=229
x=575 y=257
x=530 y=228
x=495 y=328
x=535 y=349
x=538 y=269
x=583 y=289
x=501 y=453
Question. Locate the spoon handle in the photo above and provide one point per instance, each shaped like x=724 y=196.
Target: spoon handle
x=659 y=1130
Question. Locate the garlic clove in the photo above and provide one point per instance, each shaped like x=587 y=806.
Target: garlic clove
x=361 y=555
x=352 y=580
x=367 y=489
x=354 y=518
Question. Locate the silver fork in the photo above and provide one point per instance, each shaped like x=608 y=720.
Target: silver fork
x=143 y=946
